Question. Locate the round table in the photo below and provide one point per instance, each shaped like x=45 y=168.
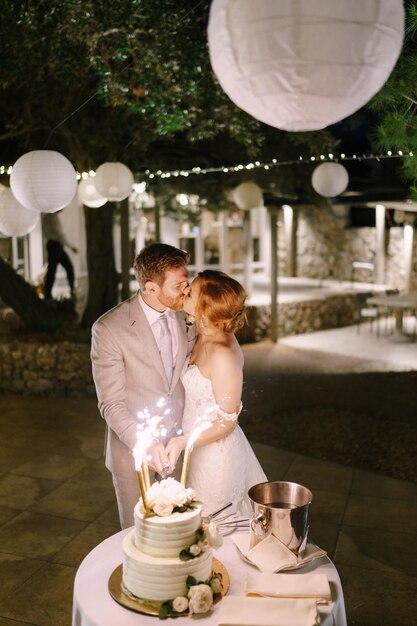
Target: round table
x=94 y=606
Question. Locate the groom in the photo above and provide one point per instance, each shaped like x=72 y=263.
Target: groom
x=138 y=350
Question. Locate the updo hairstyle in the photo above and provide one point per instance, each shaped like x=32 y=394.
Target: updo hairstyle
x=221 y=301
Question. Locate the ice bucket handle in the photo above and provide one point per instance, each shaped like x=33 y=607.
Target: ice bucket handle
x=258 y=526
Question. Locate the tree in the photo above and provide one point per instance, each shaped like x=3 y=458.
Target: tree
x=396 y=103
x=126 y=81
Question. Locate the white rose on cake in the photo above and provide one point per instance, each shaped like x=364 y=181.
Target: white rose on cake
x=163 y=507
x=200 y=599
x=168 y=491
x=180 y=604
x=213 y=535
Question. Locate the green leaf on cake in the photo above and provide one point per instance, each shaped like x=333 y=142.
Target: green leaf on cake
x=191 y=581
x=165 y=610
x=185 y=555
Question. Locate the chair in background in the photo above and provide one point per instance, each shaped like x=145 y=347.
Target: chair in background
x=374 y=313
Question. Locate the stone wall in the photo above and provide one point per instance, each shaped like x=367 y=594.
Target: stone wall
x=326 y=248
x=63 y=368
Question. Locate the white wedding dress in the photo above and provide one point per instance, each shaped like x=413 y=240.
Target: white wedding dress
x=222 y=471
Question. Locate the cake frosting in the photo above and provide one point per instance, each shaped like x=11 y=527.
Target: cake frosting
x=162 y=551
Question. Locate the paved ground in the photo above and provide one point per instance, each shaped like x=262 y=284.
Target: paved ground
x=303 y=406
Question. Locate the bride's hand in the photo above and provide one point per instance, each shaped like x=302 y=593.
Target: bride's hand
x=173 y=450
x=158 y=456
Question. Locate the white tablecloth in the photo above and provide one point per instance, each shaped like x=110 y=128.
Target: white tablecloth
x=94 y=606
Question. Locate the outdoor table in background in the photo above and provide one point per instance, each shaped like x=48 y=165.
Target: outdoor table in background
x=94 y=606
x=399 y=303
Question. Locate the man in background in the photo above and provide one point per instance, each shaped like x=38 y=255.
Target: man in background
x=55 y=242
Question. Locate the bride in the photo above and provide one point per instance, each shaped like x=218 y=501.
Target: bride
x=223 y=465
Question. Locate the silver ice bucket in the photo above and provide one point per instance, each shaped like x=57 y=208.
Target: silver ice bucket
x=280 y=508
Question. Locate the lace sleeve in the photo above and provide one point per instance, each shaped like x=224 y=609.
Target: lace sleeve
x=230 y=417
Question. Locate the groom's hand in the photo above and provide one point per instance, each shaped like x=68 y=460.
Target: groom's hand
x=173 y=450
x=158 y=456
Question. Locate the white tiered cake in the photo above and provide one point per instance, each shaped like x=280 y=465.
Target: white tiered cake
x=163 y=550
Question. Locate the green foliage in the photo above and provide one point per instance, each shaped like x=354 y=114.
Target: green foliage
x=397 y=101
x=130 y=80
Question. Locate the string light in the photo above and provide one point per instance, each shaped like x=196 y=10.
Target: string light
x=266 y=165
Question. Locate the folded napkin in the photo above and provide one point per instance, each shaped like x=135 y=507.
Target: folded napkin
x=289 y=586
x=271 y=555
x=240 y=611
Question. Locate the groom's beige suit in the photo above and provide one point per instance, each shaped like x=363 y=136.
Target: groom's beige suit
x=129 y=376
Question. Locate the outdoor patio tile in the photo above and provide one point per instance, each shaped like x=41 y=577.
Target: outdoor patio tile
x=14 y=571
x=319 y=475
x=382 y=514
x=32 y=438
x=6 y=514
x=94 y=473
x=19 y=492
x=87 y=447
x=110 y=517
x=50 y=465
x=328 y=505
x=37 y=536
x=376 y=598
x=46 y=598
x=324 y=534
x=76 y=501
x=11 y=457
x=369 y=484
x=75 y=550
x=275 y=462
x=380 y=550
x=11 y=622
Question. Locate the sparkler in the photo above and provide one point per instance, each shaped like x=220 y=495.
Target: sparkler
x=195 y=434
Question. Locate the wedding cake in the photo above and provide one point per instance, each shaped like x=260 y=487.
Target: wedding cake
x=168 y=546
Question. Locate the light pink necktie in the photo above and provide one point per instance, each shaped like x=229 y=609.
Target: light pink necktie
x=165 y=347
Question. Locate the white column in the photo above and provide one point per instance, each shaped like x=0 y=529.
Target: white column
x=35 y=253
x=223 y=241
x=265 y=239
x=199 y=249
x=289 y=237
x=247 y=252
x=380 y=243
x=169 y=231
x=408 y=255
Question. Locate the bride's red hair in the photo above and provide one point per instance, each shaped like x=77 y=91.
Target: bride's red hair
x=221 y=301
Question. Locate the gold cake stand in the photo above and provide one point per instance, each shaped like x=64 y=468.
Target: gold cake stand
x=129 y=601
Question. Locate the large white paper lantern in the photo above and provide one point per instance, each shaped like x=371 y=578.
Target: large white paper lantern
x=89 y=195
x=43 y=180
x=302 y=65
x=247 y=196
x=114 y=181
x=330 y=179
x=15 y=219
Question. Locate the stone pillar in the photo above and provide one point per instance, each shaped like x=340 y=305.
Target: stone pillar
x=247 y=252
x=380 y=243
x=223 y=241
x=273 y=213
x=289 y=234
x=408 y=255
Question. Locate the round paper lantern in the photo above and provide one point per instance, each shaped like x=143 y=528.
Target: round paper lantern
x=114 y=181
x=247 y=196
x=303 y=65
x=15 y=219
x=43 y=180
x=330 y=179
x=89 y=195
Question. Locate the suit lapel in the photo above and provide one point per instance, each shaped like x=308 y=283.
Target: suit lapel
x=145 y=335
